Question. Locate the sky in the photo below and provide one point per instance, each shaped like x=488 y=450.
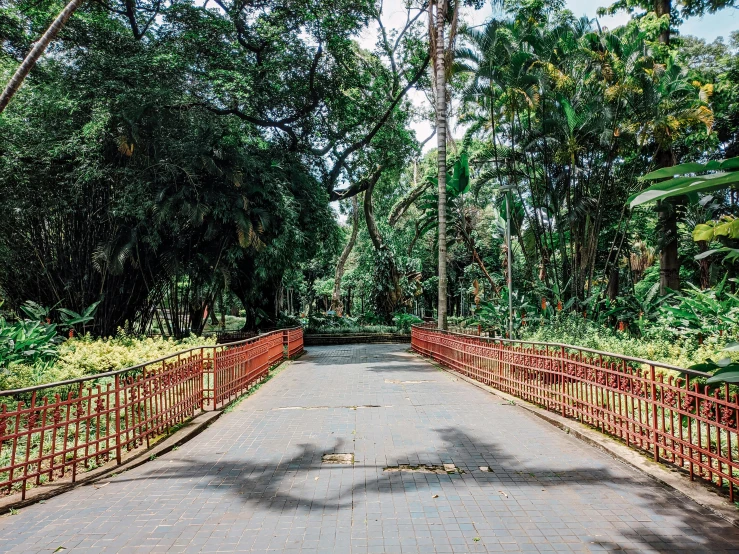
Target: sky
x=709 y=27
x=720 y=24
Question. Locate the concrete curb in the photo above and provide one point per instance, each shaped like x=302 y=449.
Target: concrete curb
x=675 y=479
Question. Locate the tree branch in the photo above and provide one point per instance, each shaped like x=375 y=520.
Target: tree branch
x=245 y=117
x=336 y=171
x=38 y=49
x=360 y=186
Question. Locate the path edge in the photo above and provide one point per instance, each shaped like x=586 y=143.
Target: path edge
x=187 y=432
x=672 y=478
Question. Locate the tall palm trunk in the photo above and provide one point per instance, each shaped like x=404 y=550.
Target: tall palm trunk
x=24 y=69
x=441 y=126
x=669 y=259
x=336 y=298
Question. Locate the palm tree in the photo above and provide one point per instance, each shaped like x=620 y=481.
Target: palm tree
x=32 y=57
x=666 y=107
x=437 y=24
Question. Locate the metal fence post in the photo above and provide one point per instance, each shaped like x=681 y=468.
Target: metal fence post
x=118 y=447
x=655 y=430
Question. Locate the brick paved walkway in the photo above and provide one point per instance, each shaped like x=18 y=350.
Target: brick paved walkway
x=254 y=481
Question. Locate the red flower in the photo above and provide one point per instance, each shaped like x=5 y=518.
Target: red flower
x=71 y=333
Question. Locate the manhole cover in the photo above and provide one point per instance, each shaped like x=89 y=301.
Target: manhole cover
x=423 y=468
x=338 y=459
x=399 y=382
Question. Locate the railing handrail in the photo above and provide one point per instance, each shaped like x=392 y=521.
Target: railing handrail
x=26 y=390
x=676 y=421
x=693 y=372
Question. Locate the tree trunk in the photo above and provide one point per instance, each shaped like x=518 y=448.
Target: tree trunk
x=705 y=266
x=30 y=60
x=369 y=219
x=663 y=7
x=613 y=283
x=336 y=299
x=441 y=125
x=669 y=261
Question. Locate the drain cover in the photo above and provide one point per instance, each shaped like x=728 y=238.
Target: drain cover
x=338 y=459
x=440 y=470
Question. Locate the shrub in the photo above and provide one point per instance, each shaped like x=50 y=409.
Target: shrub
x=27 y=342
x=403 y=322
x=659 y=344
x=83 y=356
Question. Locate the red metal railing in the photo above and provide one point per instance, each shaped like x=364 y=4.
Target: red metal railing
x=57 y=430
x=293 y=338
x=657 y=408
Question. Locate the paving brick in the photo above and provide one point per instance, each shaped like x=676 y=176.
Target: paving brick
x=254 y=481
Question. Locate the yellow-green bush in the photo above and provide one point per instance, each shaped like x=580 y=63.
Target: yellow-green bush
x=659 y=347
x=79 y=357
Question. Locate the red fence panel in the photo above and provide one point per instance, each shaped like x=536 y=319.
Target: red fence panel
x=237 y=368
x=656 y=408
x=293 y=339
x=63 y=429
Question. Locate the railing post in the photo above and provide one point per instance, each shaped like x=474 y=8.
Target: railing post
x=655 y=430
x=202 y=379
x=562 y=380
x=118 y=447
x=215 y=379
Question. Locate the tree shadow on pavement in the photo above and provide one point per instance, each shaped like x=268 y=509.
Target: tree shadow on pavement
x=606 y=510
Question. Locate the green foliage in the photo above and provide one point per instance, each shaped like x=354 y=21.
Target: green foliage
x=639 y=311
x=705 y=312
x=493 y=316
x=198 y=165
x=72 y=320
x=659 y=344
x=83 y=356
x=404 y=322
x=724 y=370
x=332 y=324
x=28 y=342
x=689 y=180
x=193 y=175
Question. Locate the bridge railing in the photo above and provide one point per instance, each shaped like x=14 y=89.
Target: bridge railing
x=663 y=410
x=58 y=430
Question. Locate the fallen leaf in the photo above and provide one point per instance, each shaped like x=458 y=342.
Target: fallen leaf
x=504 y=494
x=435 y=496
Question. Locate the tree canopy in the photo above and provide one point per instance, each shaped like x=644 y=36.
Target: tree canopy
x=172 y=159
